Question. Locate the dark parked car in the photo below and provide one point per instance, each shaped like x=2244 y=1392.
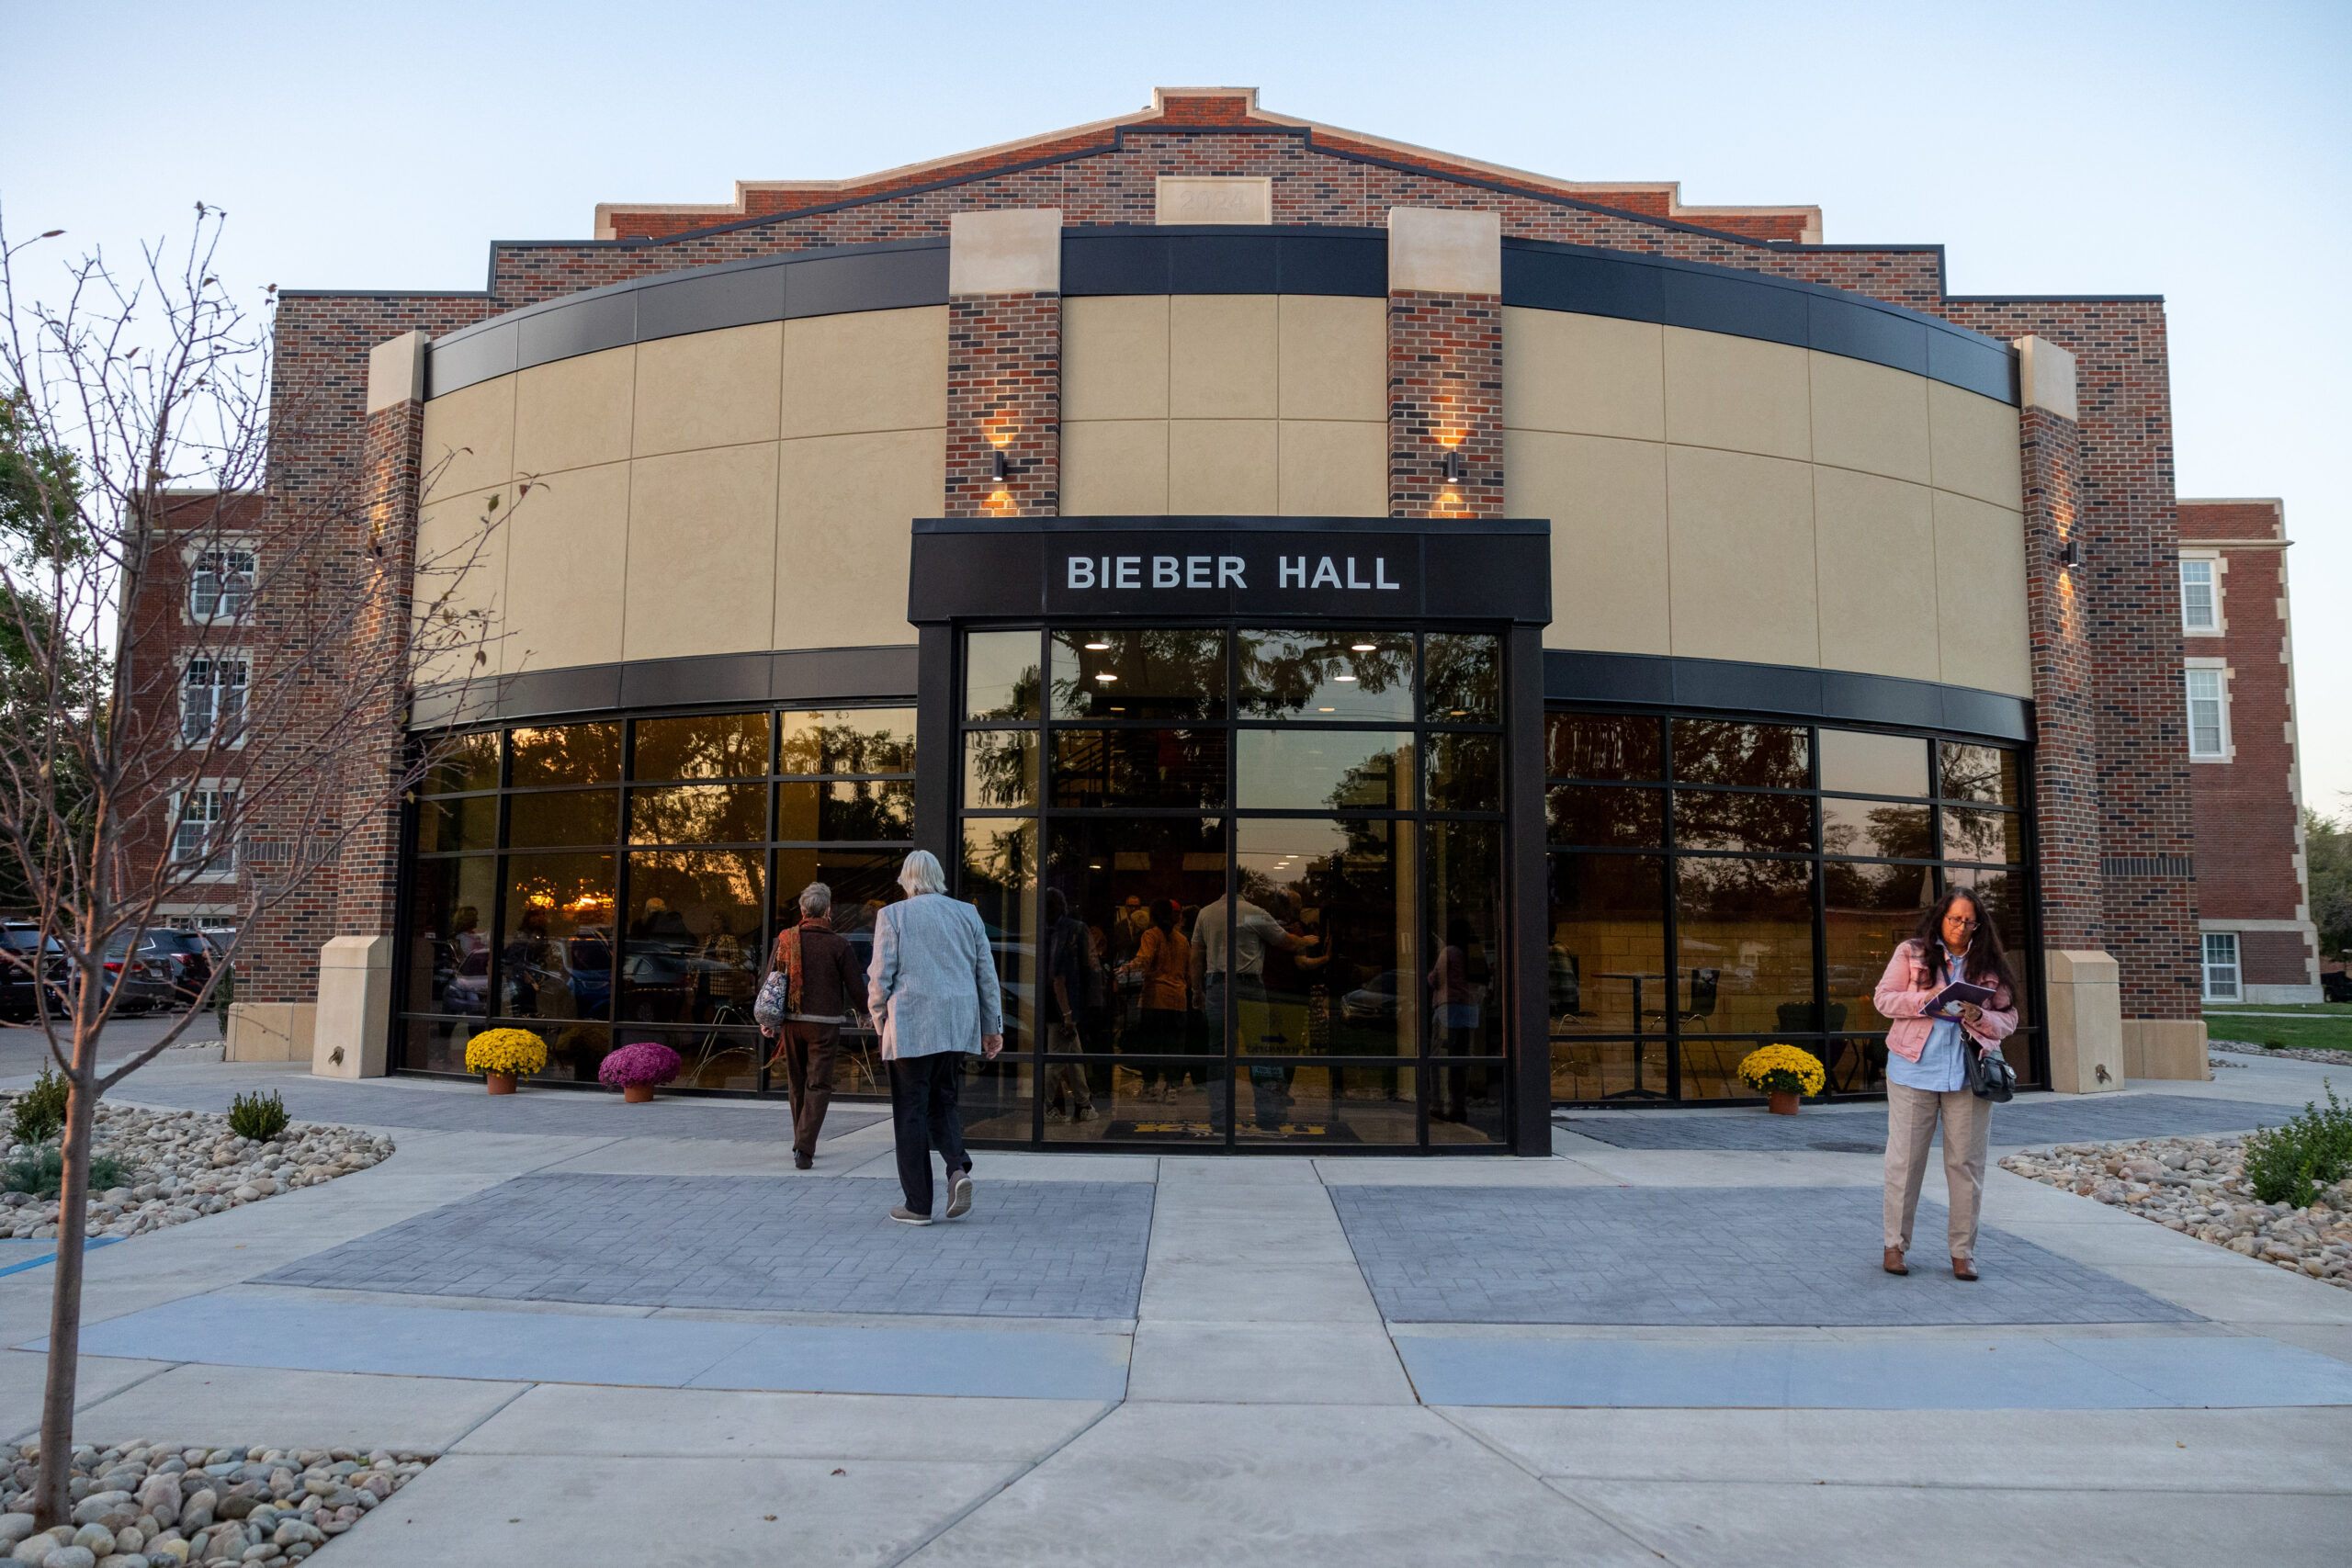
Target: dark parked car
x=191 y=959
x=22 y=978
x=145 y=974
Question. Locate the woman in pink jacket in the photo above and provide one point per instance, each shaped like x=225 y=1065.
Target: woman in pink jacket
x=1926 y=1078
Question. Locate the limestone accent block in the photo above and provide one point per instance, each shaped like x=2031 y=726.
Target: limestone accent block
x=271 y=1031
x=396 y=372
x=2046 y=377
x=2086 y=1021
x=1014 y=251
x=1444 y=251
x=354 y=1018
x=2166 y=1048
x=1213 y=199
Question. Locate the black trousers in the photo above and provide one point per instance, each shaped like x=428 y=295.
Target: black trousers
x=923 y=1092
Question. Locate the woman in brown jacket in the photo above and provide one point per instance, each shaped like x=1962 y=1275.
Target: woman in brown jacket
x=822 y=988
x=1163 y=960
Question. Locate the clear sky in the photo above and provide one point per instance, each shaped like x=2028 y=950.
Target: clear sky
x=2198 y=151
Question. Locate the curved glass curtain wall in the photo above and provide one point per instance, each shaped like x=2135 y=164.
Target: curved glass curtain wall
x=1717 y=884
x=1245 y=885
x=622 y=880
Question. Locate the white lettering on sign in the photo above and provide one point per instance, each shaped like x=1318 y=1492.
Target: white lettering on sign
x=1164 y=573
x=1230 y=571
x=1293 y=573
x=1081 y=571
x=1380 y=573
x=1325 y=573
x=1127 y=565
x=1196 y=571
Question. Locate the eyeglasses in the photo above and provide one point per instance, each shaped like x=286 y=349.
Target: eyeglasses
x=1965 y=925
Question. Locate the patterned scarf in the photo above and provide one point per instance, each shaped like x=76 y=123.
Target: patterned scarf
x=787 y=958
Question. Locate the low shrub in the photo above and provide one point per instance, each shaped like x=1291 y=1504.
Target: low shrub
x=260 y=1117
x=2289 y=1163
x=516 y=1051
x=39 y=1112
x=644 y=1062
x=41 y=1172
x=1782 y=1070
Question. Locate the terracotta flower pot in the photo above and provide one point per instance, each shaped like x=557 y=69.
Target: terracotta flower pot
x=638 y=1093
x=501 y=1083
x=1784 y=1103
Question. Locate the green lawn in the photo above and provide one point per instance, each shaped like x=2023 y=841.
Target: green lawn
x=2327 y=1026
x=2306 y=1009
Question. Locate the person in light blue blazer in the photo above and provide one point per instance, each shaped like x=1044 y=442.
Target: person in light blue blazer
x=933 y=991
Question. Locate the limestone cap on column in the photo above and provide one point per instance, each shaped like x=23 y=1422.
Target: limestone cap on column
x=2046 y=377
x=1434 y=250
x=355 y=952
x=1015 y=250
x=396 y=372
x=2073 y=967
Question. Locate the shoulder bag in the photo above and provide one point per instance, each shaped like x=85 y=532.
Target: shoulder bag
x=1989 y=1075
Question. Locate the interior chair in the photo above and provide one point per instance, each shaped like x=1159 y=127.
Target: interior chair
x=1704 y=984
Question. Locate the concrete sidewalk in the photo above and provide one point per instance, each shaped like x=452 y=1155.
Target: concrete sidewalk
x=1245 y=1400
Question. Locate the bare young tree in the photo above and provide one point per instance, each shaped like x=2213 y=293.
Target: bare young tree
x=145 y=743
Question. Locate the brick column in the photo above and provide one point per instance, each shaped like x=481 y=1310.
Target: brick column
x=1004 y=363
x=1445 y=363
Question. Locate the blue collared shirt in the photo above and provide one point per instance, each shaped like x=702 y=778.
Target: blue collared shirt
x=1940 y=1068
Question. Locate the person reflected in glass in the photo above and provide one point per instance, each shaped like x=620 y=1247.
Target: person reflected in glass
x=933 y=992
x=1234 y=958
x=1457 y=997
x=525 y=962
x=1289 y=972
x=1926 y=1073
x=822 y=988
x=589 y=955
x=1161 y=975
x=1069 y=972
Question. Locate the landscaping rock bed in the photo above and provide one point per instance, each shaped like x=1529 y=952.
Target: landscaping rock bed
x=2300 y=1052
x=2198 y=1186
x=141 y=1505
x=183 y=1165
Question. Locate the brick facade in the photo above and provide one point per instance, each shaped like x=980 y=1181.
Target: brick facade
x=2118 y=641
x=2066 y=760
x=1445 y=403
x=2248 y=809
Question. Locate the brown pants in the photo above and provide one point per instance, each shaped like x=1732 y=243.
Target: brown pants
x=1911 y=1117
x=809 y=1069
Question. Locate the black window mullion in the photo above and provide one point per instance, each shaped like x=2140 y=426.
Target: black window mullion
x=1670 y=1020
x=1820 y=919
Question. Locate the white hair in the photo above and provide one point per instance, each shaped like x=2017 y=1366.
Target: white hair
x=816 y=898
x=920 y=873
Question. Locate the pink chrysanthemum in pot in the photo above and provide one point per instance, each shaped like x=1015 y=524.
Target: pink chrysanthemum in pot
x=637 y=1070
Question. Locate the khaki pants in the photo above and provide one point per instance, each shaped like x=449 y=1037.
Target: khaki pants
x=1911 y=1116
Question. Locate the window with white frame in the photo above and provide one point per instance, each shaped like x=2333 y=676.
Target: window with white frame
x=2220 y=966
x=2200 y=609
x=199 y=835
x=212 y=700
x=220 y=584
x=2209 y=712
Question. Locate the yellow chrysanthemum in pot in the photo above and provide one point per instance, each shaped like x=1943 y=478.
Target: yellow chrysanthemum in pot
x=1782 y=1070
x=506 y=1054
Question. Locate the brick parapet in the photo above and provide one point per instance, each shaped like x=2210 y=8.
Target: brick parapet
x=1004 y=375
x=1446 y=398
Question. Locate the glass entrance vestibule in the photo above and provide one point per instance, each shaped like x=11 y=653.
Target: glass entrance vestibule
x=1245 y=883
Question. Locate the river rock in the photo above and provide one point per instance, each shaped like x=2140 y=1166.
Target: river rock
x=14 y=1527
x=70 y=1557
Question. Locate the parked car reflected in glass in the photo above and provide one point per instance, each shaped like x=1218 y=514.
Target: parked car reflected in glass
x=24 y=977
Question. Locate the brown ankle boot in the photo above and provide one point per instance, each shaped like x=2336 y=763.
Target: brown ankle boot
x=1963 y=1269
x=1894 y=1264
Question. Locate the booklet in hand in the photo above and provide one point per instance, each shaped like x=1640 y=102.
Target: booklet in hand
x=1946 y=1002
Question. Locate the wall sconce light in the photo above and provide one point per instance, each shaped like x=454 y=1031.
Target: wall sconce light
x=1450 y=469
x=1000 y=466
x=2070 y=554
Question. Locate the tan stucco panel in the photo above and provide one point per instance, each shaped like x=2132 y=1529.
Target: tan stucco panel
x=1972 y=444
x=1869 y=417
x=567 y=565
x=1980 y=596
x=1874 y=543
x=575 y=412
x=1114 y=467
x=1331 y=468
x=1115 y=358
x=709 y=389
x=1737 y=394
x=469 y=440
x=1606 y=499
x=1741 y=557
x=871 y=370
x=1583 y=375
x=1333 y=355
x=460 y=571
x=1222 y=357
x=845 y=514
x=1222 y=465
x=701 y=553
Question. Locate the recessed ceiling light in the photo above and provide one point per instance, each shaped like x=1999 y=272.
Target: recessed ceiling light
x=1366 y=647
x=1343 y=677
x=1106 y=677
x=1326 y=710
x=1096 y=647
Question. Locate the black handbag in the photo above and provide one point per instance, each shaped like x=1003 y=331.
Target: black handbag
x=1989 y=1075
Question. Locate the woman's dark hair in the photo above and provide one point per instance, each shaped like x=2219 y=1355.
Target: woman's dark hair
x=1164 y=913
x=1985 y=962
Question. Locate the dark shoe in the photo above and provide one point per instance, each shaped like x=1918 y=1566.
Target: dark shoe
x=1964 y=1268
x=907 y=1216
x=801 y=1161
x=1894 y=1263
x=959 y=1195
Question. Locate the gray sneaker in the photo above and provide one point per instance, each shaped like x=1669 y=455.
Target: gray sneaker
x=959 y=1195
x=907 y=1216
